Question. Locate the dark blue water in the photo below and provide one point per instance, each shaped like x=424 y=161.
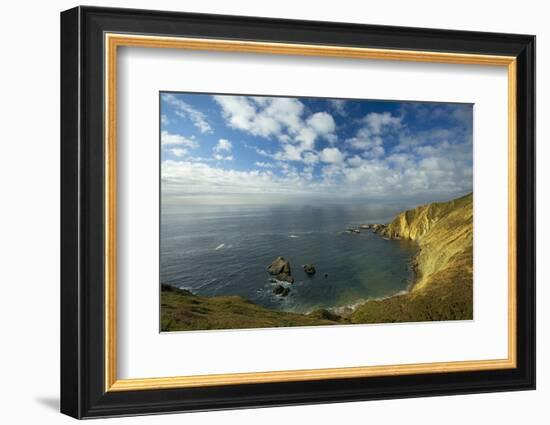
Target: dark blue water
x=225 y=250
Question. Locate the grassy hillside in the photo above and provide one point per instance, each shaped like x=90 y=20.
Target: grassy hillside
x=443 y=288
x=182 y=311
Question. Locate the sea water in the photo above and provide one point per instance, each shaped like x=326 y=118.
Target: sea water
x=225 y=250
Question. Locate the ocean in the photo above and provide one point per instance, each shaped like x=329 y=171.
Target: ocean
x=225 y=250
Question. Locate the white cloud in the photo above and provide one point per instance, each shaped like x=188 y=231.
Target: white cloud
x=219 y=157
x=306 y=137
x=307 y=174
x=259 y=116
x=184 y=110
x=377 y=122
x=331 y=155
x=289 y=153
x=322 y=123
x=339 y=106
x=395 y=176
x=370 y=137
x=223 y=145
x=179 y=152
x=164 y=119
x=364 y=141
x=281 y=118
x=386 y=157
x=261 y=152
x=310 y=158
x=355 y=161
x=411 y=140
x=331 y=172
x=170 y=139
x=187 y=178
x=401 y=160
x=376 y=152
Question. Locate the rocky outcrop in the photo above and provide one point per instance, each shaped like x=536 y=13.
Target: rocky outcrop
x=378 y=228
x=443 y=230
x=352 y=230
x=375 y=227
x=281 y=290
x=309 y=269
x=280 y=268
x=443 y=286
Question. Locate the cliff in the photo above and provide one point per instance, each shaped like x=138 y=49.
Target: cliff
x=443 y=287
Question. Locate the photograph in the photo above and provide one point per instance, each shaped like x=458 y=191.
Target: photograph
x=302 y=208
x=285 y=211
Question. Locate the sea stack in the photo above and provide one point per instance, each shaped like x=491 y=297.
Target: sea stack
x=281 y=290
x=309 y=269
x=280 y=268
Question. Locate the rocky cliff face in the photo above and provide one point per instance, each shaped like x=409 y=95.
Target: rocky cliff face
x=444 y=232
x=443 y=287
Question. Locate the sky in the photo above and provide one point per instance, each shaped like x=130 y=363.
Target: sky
x=233 y=148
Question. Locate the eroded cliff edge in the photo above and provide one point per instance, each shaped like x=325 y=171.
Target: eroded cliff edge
x=443 y=288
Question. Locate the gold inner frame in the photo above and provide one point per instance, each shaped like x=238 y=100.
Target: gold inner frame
x=113 y=41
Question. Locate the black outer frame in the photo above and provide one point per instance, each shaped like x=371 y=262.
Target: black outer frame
x=82 y=219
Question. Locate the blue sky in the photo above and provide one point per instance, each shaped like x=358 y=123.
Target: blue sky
x=261 y=148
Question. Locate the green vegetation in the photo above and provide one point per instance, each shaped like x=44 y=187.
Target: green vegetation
x=442 y=290
x=183 y=311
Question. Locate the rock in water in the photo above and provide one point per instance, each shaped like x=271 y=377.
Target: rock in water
x=379 y=228
x=281 y=269
x=285 y=278
x=309 y=269
x=279 y=265
x=281 y=290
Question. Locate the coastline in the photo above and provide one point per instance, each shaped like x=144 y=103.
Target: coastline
x=411 y=283
x=441 y=287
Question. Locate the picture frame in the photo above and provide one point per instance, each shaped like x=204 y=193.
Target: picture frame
x=90 y=40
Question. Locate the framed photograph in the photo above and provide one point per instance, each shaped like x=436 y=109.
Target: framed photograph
x=261 y=212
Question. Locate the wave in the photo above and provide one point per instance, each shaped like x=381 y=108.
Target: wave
x=344 y=310
x=220 y=246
